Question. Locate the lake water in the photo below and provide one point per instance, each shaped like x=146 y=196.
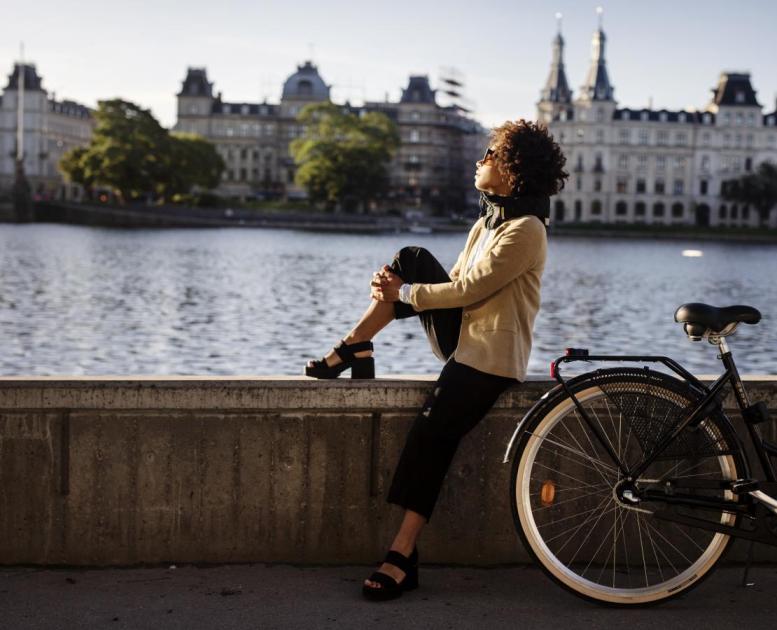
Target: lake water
x=79 y=300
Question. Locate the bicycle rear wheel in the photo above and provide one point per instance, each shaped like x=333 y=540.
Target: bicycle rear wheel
x=567 y=496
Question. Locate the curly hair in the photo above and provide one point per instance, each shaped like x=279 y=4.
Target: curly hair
x=528 y=158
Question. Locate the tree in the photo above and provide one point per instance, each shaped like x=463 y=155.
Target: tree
x=193 y=162
x=343 y=158
x=757 y=189
x=132 y=154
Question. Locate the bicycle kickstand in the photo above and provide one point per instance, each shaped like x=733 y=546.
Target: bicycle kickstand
x=748 y=562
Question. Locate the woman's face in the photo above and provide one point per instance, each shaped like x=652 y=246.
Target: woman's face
x=487 y=176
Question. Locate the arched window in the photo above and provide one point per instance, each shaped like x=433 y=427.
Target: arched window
x=621 y=208
x=559 y=210
x=304 y=88
x=639 y=209
x=678 y=210
x=658 y=209
x=596 y=207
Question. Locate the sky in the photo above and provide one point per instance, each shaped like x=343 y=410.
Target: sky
x=667 y=52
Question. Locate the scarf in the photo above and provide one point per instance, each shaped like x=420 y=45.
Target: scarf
x=497 y=209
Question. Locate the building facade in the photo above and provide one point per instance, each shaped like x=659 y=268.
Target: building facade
x=646 y=165
x=51 y=128
x=432 y=168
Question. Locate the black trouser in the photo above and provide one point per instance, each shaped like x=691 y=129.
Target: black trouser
x=461 y=397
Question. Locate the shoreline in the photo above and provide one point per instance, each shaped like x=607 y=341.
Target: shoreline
x=177 y=217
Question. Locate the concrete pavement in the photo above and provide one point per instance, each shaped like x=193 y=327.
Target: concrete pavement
x=281 y=596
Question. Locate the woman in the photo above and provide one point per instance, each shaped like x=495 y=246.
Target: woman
x=478 y=319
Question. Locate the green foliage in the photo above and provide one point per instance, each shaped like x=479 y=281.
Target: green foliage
x=343 y=158
x=757 y=189
x=132 y=154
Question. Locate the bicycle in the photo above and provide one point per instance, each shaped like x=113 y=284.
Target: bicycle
x=629 y=484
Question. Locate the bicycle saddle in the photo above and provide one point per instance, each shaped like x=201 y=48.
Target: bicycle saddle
x=701 y=318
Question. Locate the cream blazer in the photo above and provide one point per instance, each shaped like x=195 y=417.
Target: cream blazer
x=499 y=296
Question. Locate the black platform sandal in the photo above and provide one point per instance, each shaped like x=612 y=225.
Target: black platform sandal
x=360 y=367
x=389 y=587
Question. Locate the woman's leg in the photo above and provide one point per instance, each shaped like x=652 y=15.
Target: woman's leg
x=412 y=264
x=461 y=398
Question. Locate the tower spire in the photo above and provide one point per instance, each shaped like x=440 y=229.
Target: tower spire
x=556 y=88
x=597 y=84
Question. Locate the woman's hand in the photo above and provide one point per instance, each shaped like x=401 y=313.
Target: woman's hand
x=385 y=285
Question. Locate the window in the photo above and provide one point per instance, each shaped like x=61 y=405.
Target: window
x=740 y=97
x=658 y=209
x=578 y=183
x=599 y=115
x=705 y=163
x=244 y=109
x=243 y=175
x=681 y=117
x=659 y=187
x=663 y=117
x=734 y=211
x=660 y=162
x=644 y=116
x=746 y=212
x=680 y=139
x=679 y=162
x=644 y=136
x=598 y=163
x=623 y=161
x=414 y=115
x=415 y=135
x=596 y=207
x=639 y=209
x=706 y=119
x=621 y=208
x=678 y=187
x=723 y=211
x=622 y=185
x=243 y=154
x=705 y=138
x=624 y=136
x=642 y=161
x=739 y=119
x=748 y=163
x=578 y=209
x=727 y=118
x=600 y=136
x=662 y=138
x=703 y=187
x=597 y=185
x=677 y=210
x=640 y=185
x=580 y=135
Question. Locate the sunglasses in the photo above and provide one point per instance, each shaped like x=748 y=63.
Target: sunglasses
x=488 y=154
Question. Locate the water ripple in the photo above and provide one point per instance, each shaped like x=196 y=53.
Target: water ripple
x=76 y=300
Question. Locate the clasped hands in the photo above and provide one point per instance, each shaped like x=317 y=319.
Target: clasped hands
x=385 y=284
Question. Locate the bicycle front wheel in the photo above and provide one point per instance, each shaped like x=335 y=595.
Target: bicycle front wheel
x=568 y=494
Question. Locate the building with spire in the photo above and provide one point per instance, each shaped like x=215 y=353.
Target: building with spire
x=432 y=168
x=51 y=128
x=647 y=165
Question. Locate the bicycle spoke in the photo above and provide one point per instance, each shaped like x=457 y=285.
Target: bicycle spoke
x=578 y=453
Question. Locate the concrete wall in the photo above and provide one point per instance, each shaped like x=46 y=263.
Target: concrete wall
x=116 y=471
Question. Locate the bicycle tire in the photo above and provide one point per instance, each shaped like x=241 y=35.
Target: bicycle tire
x=554 y=444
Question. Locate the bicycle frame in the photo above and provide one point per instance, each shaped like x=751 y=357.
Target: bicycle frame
x=710 y=401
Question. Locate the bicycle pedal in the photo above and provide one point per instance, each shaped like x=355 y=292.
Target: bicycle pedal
x=743 y=486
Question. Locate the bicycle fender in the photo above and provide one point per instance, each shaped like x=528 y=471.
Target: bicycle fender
x=522 y=423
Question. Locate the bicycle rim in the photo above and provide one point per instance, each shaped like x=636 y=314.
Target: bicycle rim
x=572 y=520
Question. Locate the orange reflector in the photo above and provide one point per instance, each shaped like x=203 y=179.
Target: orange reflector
x=548 y=493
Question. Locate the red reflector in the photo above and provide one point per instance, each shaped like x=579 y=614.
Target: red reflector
x=553 y=370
